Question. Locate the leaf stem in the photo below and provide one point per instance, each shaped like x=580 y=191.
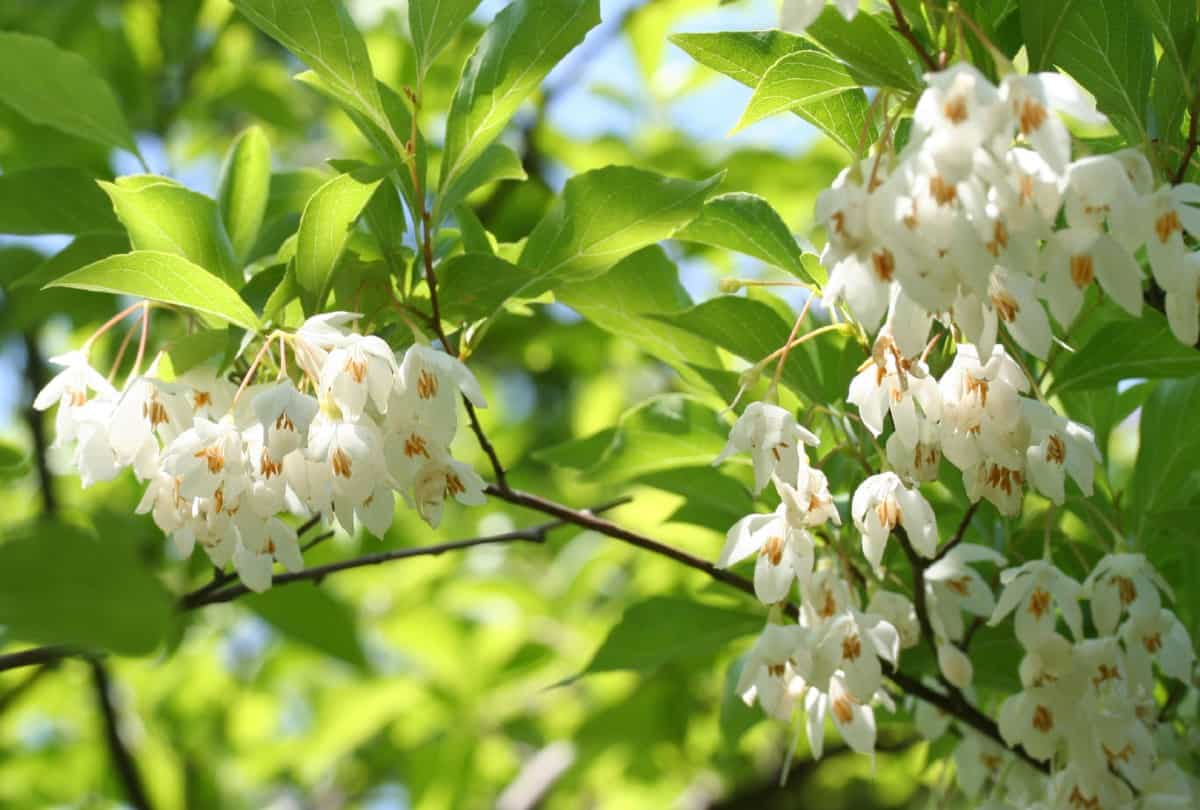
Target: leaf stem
x=905 y=30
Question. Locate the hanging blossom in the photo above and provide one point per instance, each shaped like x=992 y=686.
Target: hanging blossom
x=224 y=466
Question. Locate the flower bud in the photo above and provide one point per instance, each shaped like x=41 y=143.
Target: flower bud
x=729 y=285
x=955 y=665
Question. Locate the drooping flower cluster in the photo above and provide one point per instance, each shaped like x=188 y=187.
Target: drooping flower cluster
x=976 y=417
x=828 y=663
x=1087 y=704
x=962 y=224
x=222 y=464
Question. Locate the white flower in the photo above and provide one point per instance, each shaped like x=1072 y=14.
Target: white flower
x=807 y=502
x=900 y=613
x=1035 y=719
x=768 y=432
x=978 y=760
x=981 y=408
x=148 y=408
x=1122 y=582
x=854 y=720
x=897 y=385
x=285 y=415
x=775 y=669
x=785 y=553
x=797 y=15
x=95 y=456
x=952 y=587
x=1077 y=787
x=261 y=543
x=1167 y=789
x=1105 y=189
x=358 y=369
x=1170 y=215
x=954 y=664
x=1058 y=446
x=208 y=460
x=959 y=112
x=1033 y=590
x=1032 y=99
x=1076 y=257
x=825 y=594
x=853 y=644
x=920 y=461
x=1013 y=299
x=431 y=377
x=210 y=396
x=1183 y=302
x=375 y=512
x=1157 y=637
x=441 y=478
x=317 y=335
x=69 y=389
x=880 y=504
x=352 y=453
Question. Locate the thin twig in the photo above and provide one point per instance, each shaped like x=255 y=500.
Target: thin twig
x=960 y=532
x=126 y=766
x=35 y=373
x=1193 y=141
x=905 y=30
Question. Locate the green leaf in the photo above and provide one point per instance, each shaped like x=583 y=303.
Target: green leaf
x=747 y=224
x=751 y=330
x=522 y=44
x=42 y=201
x=1126 y=349
x=710 y=498
x=1042 y=24
x=433 y=23
x=1165 y=475
x=313 y=617
x=60 y=585
x=642 y=284
x=496 y=163
x=472 y=286
x=245 y=188
x=1171 y=21
x=663 y=433
x=649 y=633
x=322 y=35
x=191 y=350
x=796 y=82
x=475 y=237
x=606 y=214
x=736 y=717
x=747 y=56
x=1106 y=46
x=60 y=89
x=82 y=251
x=868 y=47
x=325 y=227
x=161 y=215
x=163 y=277
x=14 y=462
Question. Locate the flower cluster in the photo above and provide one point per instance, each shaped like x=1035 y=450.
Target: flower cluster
x=976 y=417
x=828 y=663
x=221 y=464
x=963 y=223
x=1087 y=703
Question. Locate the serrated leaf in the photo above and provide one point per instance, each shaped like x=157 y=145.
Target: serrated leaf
x=606 y=214
x=751 y=330
x=1165 y=475
x=433 y=24
x=313 y=617
x=620 y=301
x=322 y=34
x=60 y=585
x=244 y=189
x=522 y=44
x=496 y=163
x=1126 y=349
x=747 y=224
x=663 y=433
x=1107 y=47
x=46 y=201
x=747 y=56
x=471 y=286
x=797 y=82
x=325 y=228
x=648 y=634
x=869 y=48
x=163 y=277
x=60 y=89
x=161 y=215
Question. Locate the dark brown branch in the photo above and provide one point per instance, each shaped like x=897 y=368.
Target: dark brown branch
x=35 y=373
x=960 y=532
x=123 y=761
x=34 y=656
x=954 y=703
x=905 y=30
x=1193 y=141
